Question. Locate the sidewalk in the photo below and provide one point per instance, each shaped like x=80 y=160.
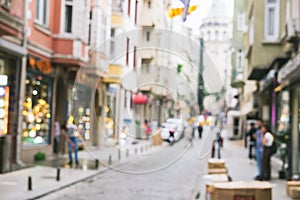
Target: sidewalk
x=241 y=168
x=14 y=185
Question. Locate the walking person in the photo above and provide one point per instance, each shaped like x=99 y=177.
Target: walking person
x=188 y=136
x=71 y=139
x=200 y=129
x=267 y=141
x=251 y=135
x=216 y=146
x=56 y=138
x=258 y=148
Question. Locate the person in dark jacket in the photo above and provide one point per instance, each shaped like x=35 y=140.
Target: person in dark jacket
x=251 y=134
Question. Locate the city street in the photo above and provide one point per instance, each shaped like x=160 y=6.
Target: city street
x=179 y=180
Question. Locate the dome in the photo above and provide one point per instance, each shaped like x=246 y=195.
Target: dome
x=217 y=10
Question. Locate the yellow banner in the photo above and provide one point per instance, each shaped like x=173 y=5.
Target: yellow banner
x=178 y=11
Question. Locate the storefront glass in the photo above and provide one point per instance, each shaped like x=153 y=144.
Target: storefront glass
x=37 y=109
x=8 y=71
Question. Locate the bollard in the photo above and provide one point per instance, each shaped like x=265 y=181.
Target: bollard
x=58 y=174
x=119 y=154
x=29 y=183
x=135 y=150
x=96 y=163
x=109 y=160
x=127 y=152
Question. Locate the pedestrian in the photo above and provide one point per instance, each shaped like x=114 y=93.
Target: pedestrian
x=200 y=129
x=217 y=144
x=147 y=128
x=251 y=135
x=258 y=148
x=56 y=138
x=188 y=136
x=71 y=139
x=267 y=141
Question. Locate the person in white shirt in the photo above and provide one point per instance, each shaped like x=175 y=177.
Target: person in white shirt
x=267 y=141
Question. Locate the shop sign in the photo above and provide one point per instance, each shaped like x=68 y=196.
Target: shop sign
x=44 y=66
x=3 y=80
x=289 y=68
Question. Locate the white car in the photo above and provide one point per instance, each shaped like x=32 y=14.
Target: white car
x=172 y=124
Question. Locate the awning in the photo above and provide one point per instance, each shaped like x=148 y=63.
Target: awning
x=258 y=73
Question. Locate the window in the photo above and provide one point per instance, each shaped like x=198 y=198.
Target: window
x=239 y=61
x=90 y=28
x=148 y=36
x=128 y=11
x=41 y=12
x=136 y=10
x=134 y=58
x=251 y=31
x=146 y=65
x=271 y=19
x=36 y=126
x=68 y=16
x=241 y=21
x=127 y=52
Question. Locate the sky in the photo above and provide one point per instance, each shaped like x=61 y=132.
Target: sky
x=195 y=18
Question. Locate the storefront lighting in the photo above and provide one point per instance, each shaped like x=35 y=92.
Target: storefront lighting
x=32 y=133
x=2 y=103
x=38 y=83
x=30 y=117
x=28 y=99
x=24 y=112
x=87 y=111
x=80 y=126
x=3 y=80
x=34 y=92
x=25 y=134
x=27 y=81
x=2 y=91
x=2 y=113
x=48 y=115
x=87 y=135
x=39 y=120
x=38 y=127
x=38 y=140
x=106 y=109
x=80 y=110
x=42 y=102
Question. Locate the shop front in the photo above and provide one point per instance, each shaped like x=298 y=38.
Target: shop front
x=10 y=66
x=289 y=118
x=37 y=108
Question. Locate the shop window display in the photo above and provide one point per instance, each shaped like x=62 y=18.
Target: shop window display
x=37 y=110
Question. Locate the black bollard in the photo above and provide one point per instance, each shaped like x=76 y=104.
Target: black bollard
x=29 y=183
x=96 y=163
x=58 y=174
x=119 y=154
x=109 y=160
x=127 y=152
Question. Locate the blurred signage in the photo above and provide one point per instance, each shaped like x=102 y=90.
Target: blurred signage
x=4 y=103
x=114 y=74
x=289 y=68
x=3 y=80
x=43 y=66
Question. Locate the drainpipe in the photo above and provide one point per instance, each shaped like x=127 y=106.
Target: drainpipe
x=22 y=87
